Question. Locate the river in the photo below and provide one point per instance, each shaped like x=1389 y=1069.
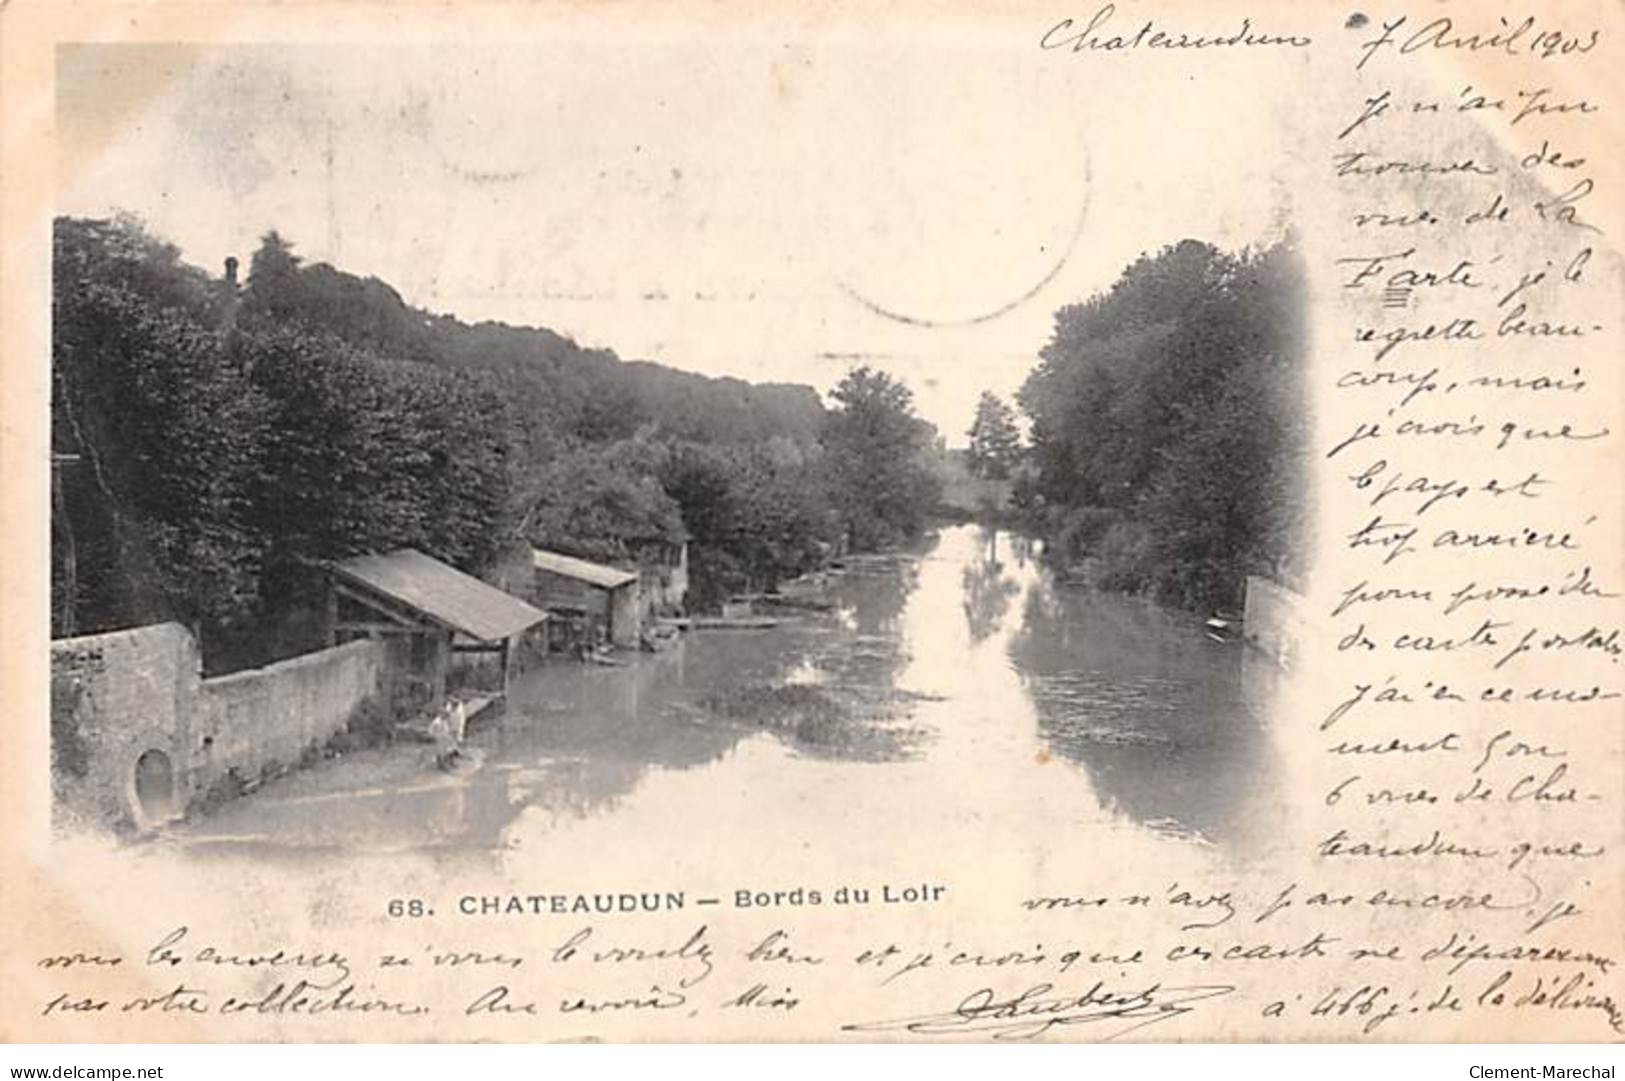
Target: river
x=959 y=684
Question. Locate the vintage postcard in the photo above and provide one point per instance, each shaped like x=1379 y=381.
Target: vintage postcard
x=802 y=522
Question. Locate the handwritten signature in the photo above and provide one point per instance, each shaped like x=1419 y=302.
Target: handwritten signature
x=1040 y=1008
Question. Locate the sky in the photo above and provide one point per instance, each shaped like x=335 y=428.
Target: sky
x=771 y=202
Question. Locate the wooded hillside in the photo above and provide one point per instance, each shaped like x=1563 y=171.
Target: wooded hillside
x=215 y=436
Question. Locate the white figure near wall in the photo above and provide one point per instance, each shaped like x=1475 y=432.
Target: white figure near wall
x=447 y=730
x=459 y=721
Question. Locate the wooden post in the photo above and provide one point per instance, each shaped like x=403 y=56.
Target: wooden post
x=442 y=660
x=507 y=664
x=66 y=597
x=332 y=613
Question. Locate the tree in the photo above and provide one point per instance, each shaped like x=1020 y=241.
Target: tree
x=168 y=434
x=274 y=284
x=874 y=448
x=366 y=454
x=754 y=515
x=995 y=442
x=1168 y=426
x=598 y=502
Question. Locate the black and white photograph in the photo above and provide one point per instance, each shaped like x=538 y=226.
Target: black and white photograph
x=401 y=563
x=813 y=525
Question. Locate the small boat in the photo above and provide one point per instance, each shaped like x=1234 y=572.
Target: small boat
x=659 y=637
x=788 y=600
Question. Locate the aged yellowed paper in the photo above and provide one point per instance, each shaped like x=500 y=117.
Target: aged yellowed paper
x=682 y=523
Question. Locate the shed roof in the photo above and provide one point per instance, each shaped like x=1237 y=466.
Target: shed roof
x=595 y=574
x=441 y=593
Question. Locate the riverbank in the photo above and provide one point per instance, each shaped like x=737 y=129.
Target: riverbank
x=386 y=742
x=958 y=682
x=1106 y=549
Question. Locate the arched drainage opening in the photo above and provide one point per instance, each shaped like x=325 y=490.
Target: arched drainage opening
x=155 y=787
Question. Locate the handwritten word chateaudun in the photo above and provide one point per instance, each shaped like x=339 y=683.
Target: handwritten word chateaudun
x=1093 y=37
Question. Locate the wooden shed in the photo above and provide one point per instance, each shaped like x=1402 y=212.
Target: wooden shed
x=601 y=596
x=433 y=605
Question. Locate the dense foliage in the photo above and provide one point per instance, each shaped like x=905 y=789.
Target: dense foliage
x=219 y=437
x=168 y=436
x=757 y=515
x=1168 y=428
x=878 y=460
x=223 y=444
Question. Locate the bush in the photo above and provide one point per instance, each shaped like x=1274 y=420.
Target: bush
x=373 y=721
x=1127 y=557
x=1082 y=529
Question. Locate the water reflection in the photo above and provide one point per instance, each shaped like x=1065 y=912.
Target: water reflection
x=871 y=594
x=958 y=683
x=988 y=589
x=1165 y=721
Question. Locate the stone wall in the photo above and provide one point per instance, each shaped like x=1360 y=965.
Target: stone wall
x=120 y=700
x=1275 y=620
x=663 y=583
x=136 y=734
x=257 y=721
x=625 y=621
